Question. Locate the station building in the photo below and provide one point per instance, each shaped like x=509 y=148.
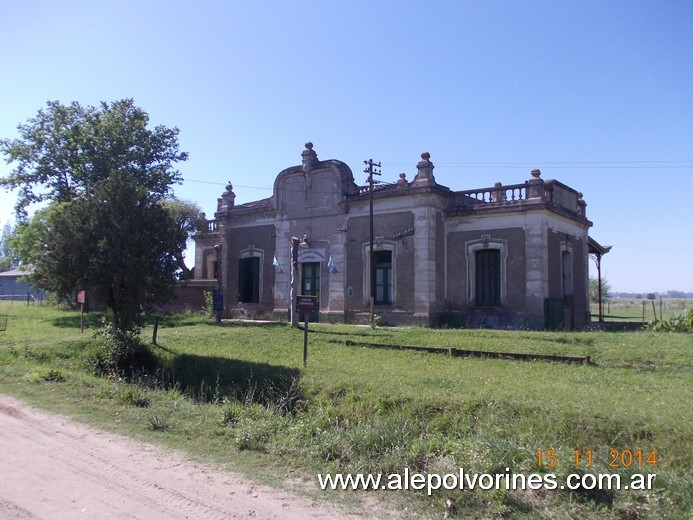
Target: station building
x=513 y=256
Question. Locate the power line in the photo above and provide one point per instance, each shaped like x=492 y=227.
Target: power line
x=659 y=164
x=559 y=162
x=563 y=164
x=554 y=167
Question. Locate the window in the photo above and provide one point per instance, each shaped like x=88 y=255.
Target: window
x=383 y=277
x=567 y=273
x=486 y=271
x=488 y=277
x=310 y=278
x=381 y=280
x=249 y=280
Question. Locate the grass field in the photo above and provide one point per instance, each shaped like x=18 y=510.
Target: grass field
x=239 y=395
x=640 y=310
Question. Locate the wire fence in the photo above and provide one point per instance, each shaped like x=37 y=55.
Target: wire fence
x=29 y=298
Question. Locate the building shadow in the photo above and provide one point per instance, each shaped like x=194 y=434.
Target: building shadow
x=92 y=320
x=215 y=379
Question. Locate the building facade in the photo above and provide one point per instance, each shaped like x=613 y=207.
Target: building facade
x=513 y=256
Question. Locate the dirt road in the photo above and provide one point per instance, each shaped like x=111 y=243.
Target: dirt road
x=53 y=468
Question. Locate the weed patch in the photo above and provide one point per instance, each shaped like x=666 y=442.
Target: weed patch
x=133 y=395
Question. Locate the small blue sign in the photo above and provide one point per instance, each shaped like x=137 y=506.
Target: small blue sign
x=218 y=300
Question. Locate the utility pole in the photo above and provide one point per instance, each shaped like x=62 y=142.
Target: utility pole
x=293 y=287
x=371 y=169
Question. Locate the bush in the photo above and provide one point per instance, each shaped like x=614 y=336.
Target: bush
x=119 y=352
x=680 y=323
x=208 y=307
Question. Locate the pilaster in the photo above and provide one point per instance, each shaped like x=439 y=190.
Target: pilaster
x=536 y=254
x=282 y=274
x=337 y=273
x=424 y=261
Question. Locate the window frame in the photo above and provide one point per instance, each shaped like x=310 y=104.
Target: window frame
x=379 y=245
x=567 y=252
x=251 y=253
x=471 y=247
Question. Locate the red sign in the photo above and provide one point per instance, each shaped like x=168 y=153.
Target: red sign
x=306 y=304
x=81 y=297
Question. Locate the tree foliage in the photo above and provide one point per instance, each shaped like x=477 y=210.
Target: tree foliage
x=8 y=259
x=66 y=151
x=189 y=219
x=594 y=290
x=106 y=229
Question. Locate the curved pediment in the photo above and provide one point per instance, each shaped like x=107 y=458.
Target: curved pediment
x=314 y=187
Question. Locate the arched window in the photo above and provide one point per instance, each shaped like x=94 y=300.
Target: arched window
x=567 y=273
x=384 y=272
x=567 y=269
x=250 y=275
x=486 y=259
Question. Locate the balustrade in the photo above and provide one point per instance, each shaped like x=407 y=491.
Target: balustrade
x=496 y=194
x=551 y=192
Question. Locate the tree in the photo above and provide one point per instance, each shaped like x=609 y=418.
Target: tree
x=8 y=259
x=189 y=219
x=594 y=290
x=106 y=229
x=676 y=294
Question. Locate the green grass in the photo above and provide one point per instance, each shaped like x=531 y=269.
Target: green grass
x=238 y=395
x=621 y=310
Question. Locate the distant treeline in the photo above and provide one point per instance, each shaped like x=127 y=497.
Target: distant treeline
x=648 y=295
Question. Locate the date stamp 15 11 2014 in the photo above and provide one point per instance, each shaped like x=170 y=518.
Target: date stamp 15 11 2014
x=585 y=458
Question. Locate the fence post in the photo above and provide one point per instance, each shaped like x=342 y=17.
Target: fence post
x=643 y=312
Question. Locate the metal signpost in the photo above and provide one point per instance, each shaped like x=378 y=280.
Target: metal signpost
x=81 y=298
x=306 y=305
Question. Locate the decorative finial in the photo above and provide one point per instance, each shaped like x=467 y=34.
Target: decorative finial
x=308 y=157
x=536 y=186
x=227 y=199
x=424 y=177
x=402 y=182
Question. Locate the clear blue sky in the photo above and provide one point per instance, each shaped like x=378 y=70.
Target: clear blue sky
x=597 y=94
